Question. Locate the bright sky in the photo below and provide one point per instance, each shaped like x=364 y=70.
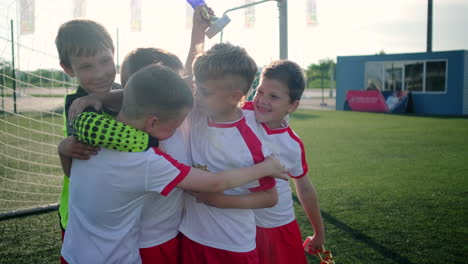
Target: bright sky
x=358 y=27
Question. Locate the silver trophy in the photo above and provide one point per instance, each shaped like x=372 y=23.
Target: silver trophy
x=216 y=24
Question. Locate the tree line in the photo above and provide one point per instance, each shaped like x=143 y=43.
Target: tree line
x=321 y=75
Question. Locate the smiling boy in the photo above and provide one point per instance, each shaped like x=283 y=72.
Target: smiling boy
x=86 y=52
x=278 y=237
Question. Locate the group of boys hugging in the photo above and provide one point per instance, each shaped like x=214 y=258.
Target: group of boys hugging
x=171 y=168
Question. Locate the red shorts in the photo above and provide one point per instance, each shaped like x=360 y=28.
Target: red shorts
x=195 y=253
x=280 y=245
x=168 y=252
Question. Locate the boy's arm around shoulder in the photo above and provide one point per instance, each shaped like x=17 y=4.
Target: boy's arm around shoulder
x=111 y=100
x=203 y=181
x=255 y=200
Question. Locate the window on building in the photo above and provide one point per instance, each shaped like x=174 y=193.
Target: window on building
x=435 y=76
x=394 y=76
x=414 y=76
x=374 y=76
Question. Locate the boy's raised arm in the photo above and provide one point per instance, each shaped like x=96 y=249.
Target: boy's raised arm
x=197 y=40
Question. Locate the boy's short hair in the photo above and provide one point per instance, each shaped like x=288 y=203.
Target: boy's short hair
x=225 y=60
x=81 y=37
x=156 y=90
x=141 y=57
x=288 y=73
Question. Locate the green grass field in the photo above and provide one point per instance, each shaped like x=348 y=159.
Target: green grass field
x=392 y=189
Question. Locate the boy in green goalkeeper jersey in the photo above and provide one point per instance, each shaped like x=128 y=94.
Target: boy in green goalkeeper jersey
x=86 y=52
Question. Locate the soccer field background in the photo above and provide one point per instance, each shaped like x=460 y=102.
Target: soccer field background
x=392 y=189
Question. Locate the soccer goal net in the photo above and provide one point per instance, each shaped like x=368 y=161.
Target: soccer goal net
x=31 y=126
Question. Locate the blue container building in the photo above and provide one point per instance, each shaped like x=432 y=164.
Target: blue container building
x=438 y=81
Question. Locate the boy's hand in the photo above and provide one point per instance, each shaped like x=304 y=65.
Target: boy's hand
x=200 y=20
x=80 y=104
x=314 y=243
x=277 y=169
x=73 y=148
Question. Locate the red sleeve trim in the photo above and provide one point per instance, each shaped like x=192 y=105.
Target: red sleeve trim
x=297 y=177
x=305 y=167
x=184 y=170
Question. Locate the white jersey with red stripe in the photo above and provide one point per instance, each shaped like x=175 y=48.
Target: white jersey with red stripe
x=161 y=216
x=219 y=147
x=106 y=198
x=285 y=145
